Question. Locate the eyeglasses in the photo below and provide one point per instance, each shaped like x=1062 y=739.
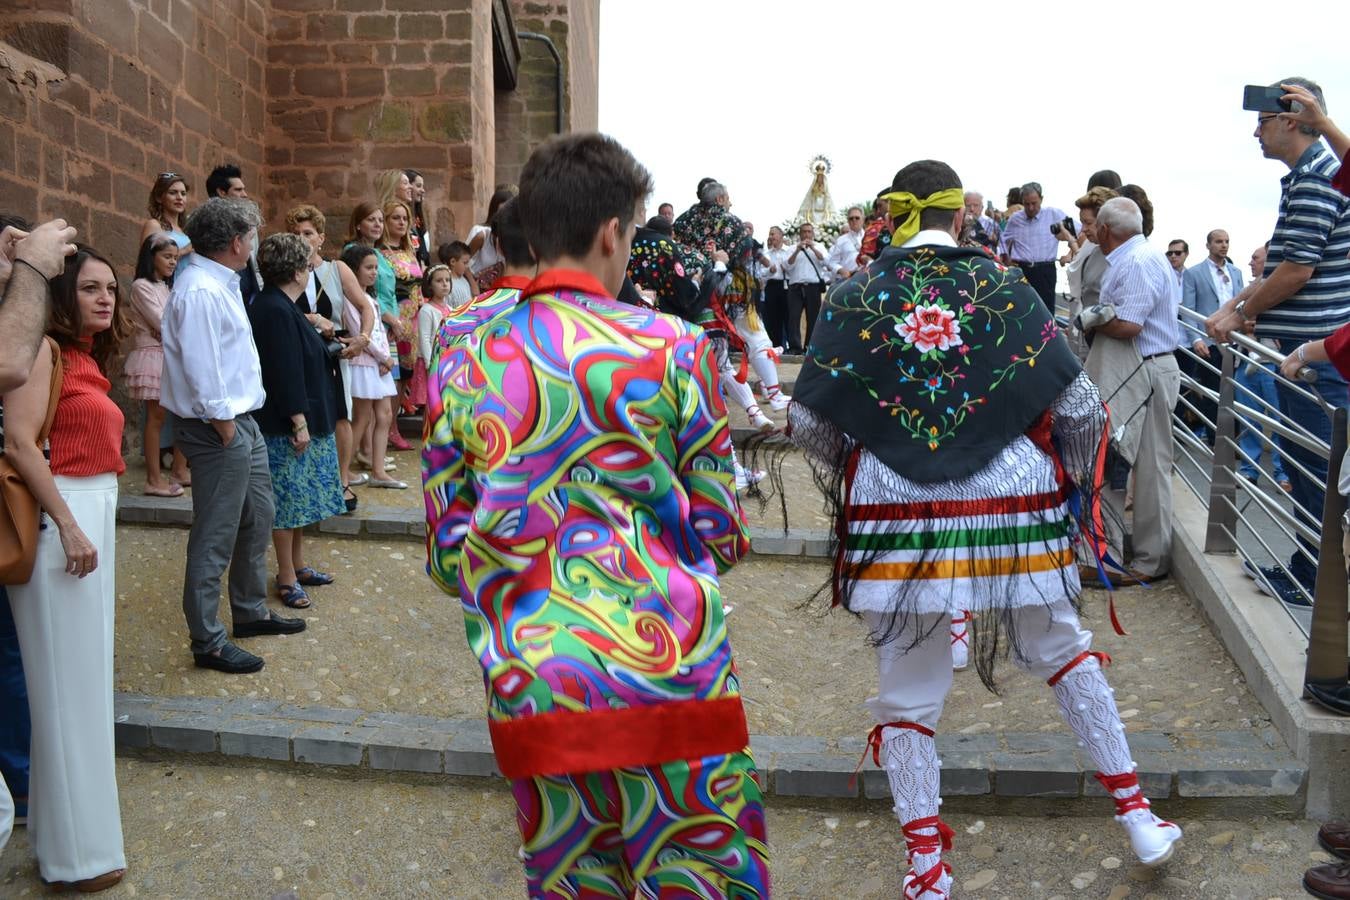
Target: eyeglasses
x=855 y=218
x=1176 y=252
x=1262 y=120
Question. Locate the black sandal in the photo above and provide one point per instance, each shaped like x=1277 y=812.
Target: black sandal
x=293 y=595
x=349 y=498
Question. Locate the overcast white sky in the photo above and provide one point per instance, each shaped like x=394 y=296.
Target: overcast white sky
x=748 y=91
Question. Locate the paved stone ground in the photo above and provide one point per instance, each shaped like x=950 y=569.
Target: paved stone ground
x=384 y=639
x=257 y=831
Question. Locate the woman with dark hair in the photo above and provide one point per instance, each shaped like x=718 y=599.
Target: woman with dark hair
x=298 y=418
x=487 y=262
x=168 y=208
x=1105 y=178
x=1140 y=198
x=64 y=614
x=149 y=292
x=420 y=237
x=372 y=376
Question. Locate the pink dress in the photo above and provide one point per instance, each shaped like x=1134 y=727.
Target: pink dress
x=146 y=359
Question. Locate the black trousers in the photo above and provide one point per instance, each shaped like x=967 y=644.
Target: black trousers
x=776 y=311
x=1042 y=277
x=802 y=298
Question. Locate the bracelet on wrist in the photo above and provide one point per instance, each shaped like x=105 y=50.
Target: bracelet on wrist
x=296 y=429
x=24 y=262
x=1302 y=354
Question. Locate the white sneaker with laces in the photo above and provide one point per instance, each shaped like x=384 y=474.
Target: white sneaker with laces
x=779 y=401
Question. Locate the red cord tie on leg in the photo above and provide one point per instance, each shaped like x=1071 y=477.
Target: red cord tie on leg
x=926 y=845
x=1103 y=658
x=1124 y=782
x=874 y=744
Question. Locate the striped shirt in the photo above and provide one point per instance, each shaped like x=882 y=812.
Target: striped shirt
x=1313 y=229
x=1029 y=240
x=1143 y=287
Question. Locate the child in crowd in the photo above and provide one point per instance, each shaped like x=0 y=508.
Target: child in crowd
x=372 y=376
x=436 y=305
x=463 y=287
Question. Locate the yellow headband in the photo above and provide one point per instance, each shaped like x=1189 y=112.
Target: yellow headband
x=903 y=203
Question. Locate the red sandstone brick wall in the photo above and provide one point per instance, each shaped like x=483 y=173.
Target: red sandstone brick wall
x=96 y=96
x=359 y=86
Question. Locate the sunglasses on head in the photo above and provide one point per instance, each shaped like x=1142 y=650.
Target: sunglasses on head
x=168 y=175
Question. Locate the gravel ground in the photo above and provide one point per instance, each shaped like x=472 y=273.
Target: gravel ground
x=199 y=830
x=384 y=638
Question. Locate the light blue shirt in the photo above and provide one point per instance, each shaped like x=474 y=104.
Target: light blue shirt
x=1143 y=287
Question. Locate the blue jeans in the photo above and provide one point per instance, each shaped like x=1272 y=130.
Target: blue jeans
x=1262 y=383
x=1309 y=493
x=15 y=729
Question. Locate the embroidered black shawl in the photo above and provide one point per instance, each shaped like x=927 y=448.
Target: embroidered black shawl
x=934 y=358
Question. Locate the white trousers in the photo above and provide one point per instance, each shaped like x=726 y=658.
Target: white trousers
x=914 y=680
x=6 y=814
x=737 y=391
x=758 y=349
x=65 y=627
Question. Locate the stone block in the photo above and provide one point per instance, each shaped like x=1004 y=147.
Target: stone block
x=407 y=750
x=953 y=743
x=341 y=525
x=131 y=508
x=188 y=733
x=174 y=512
x=365 y=82
x=1155 y=770
x=1262 y=776
x=246 y=706
x=129 y=734
x=1045 y=774
x=330 y=714
x=965 y=773
x=410 y=721
x=331 y=745
x=470 y=753
x=257 y=738
x=200 y=705
x=813 y=775
x=1153 y=741
x=1023 y=741
x=815 y=545
x=386 y=525
x=776 y=546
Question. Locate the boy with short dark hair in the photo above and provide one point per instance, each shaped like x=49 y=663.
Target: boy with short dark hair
x=579 y=499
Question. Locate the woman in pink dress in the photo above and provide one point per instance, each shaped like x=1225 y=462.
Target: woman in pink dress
x=149 y=292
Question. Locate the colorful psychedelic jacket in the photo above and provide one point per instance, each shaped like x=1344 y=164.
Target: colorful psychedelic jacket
x=460 y=323
x=579 y=498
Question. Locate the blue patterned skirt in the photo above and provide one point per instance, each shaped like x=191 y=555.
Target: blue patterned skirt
x=306 y=488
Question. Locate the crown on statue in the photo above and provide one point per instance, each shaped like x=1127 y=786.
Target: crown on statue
x=820 y=163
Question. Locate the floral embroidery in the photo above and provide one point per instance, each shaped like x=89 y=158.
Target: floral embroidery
x=941 y=322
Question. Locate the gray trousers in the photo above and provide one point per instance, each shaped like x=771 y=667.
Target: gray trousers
x=1152 y=532
x=232 y=515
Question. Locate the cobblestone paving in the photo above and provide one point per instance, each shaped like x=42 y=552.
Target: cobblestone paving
x=246 y=831
x=385 y=639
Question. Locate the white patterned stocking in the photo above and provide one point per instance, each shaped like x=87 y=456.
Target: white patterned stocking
x=1089 y=706
x=909 y=755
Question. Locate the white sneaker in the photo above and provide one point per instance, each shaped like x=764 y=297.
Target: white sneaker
x=779 y=401
x=746 y=477
x=759 y=420
x=1151 y=837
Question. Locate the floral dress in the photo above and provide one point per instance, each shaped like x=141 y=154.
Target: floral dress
x=408 y=289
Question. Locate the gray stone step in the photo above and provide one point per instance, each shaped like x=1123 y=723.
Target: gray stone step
x=384 y=523
x=1236 y=766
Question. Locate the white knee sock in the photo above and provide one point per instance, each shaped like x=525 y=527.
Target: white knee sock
x=909 y=755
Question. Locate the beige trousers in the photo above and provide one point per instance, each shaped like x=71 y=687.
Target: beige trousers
x=1152 y=531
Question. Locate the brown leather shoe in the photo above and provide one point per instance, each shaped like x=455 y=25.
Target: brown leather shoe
x=1335 y=838
x=1330 y=882
x=89 y=885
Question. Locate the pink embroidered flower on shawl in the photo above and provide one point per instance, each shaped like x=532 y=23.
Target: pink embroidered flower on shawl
x=929 y=327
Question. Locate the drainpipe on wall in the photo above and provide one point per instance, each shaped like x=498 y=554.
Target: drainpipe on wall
x=558 y=73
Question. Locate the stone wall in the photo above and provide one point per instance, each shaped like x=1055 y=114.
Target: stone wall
x=355 y=87
x=526 y=116
x=97 y=96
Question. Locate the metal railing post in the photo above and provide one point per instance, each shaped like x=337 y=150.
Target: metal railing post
x=1223 y=478
x=1327 y=641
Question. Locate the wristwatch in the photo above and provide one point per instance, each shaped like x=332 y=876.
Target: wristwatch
x=1241 y=310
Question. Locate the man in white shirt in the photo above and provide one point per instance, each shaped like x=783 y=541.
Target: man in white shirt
x=1144 y=290
x=805 y=270
x=843 y=258
x=212 y=381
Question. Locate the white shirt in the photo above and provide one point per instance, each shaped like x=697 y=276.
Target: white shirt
x=487 y=254
x=844 y=252
x=801 y=270
x=1145 y=290
x=211 y=368
x=777 y=263
x=1223 y=282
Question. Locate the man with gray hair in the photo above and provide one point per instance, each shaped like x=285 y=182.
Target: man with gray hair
x=843 y=259
x=1303 y=296
x=1031 y=241
x=212 y=382
x=1142 y=288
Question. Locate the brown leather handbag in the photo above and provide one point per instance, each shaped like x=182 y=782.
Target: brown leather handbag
x=20 y=515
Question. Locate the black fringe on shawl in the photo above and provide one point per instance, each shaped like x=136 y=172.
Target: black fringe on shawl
x=993 y=629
